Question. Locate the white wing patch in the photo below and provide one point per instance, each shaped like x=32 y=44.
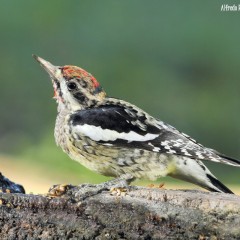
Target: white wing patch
x=99 y=134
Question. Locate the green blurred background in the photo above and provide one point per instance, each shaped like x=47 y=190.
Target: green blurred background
x=178 y=60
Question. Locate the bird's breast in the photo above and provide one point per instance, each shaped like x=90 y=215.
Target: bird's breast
x=108 y=160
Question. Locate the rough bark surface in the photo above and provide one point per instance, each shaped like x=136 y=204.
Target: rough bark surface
x=85 y=212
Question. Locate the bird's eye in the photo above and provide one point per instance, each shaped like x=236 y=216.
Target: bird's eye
x=72 y=86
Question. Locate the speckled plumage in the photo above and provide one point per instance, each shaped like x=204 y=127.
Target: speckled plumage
x=113 y=137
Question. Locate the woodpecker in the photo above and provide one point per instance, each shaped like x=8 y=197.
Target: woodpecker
x=114 y=137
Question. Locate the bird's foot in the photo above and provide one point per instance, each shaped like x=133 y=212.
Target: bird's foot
x=8 y=186
x=119 y=192
x=117 y=185
x=121 y=182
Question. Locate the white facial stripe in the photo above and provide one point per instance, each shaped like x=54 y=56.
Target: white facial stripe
x=99 y=134
x=68 y=96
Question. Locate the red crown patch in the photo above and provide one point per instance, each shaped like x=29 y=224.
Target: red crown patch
x=70 y=72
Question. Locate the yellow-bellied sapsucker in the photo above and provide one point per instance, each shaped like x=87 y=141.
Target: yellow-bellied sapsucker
x=113 y=137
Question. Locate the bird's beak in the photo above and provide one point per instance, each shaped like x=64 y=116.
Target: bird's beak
x=51 y=69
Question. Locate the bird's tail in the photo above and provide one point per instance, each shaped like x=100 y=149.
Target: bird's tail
x=229 y=160
x=225 y=159
x=197 y=173
x=217 y=184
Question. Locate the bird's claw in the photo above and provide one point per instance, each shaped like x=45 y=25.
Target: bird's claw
x=119 y=192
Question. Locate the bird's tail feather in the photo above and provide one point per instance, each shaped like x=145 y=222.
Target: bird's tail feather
x=219 y=187
x=225 y=159
x=229 y=160
x=196 y=172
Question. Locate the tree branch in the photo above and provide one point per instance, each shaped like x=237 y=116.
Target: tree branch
x=144 y=213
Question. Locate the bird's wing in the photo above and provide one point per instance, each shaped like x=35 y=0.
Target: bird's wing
x=122 y=126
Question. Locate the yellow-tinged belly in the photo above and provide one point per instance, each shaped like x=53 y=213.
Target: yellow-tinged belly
x=111 y=161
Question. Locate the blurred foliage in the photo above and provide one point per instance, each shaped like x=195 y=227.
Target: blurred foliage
x=179 y=60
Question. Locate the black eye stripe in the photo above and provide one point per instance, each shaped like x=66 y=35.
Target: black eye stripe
x=79 y=96
x=83 y=83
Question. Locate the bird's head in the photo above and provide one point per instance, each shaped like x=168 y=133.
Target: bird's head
x=74 y=88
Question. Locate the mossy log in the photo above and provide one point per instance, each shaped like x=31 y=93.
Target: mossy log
x=85 y=212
